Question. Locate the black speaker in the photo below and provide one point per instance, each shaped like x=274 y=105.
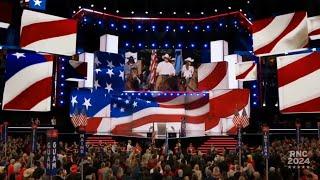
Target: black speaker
x=172 y=135
x=149 y=134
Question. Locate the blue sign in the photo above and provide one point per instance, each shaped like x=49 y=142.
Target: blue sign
x=37 y=4
x=265 y=145
x=51 y=156
x=82 y=145
x=239 y=138
x=34 y=139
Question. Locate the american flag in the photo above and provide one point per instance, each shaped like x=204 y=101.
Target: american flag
x=28 y=81
x=237 y=118
x=280 y=34
x=244 y=118
x=96 y=102
x=105 y=60
x=110 y=79
x=153 y=67
x=79 y=119
x=47 y=33
x=213 y=76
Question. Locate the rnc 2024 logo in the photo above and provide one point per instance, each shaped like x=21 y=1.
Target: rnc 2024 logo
x=298 y=159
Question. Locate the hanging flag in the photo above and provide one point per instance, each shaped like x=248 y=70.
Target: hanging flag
x=79 y=119
x=48 y=33
x=110 y=79
x=37 y=4
x=314 y=27
x=236 y=118
x=280 y=34
x=76 y=71
x=153 y=67
x=179 y=61
x=213 y=76
x=246 y=71
x=244 y=118
x=298 y=83
x=28 y=81
x=95 y=102
x=105 y=60
x=5 y=14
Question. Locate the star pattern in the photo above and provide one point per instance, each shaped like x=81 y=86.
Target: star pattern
x=96 y=84
x=110 y=64
x=121 y=75
x=74 y=100
x=110 y=72
x=19 y=55
x=87 y=103
x=37 y=2
x=135 y=104
x=109 y=87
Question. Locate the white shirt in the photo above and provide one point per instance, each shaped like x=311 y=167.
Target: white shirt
x=187 y=73
x=165 y=68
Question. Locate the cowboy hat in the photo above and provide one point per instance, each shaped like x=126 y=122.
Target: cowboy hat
x=189 y=59
x=166 y=56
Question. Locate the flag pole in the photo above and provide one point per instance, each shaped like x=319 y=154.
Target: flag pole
x=239 y=143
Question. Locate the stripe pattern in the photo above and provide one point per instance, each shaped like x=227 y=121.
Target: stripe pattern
x=28 y=85
x=280 y=34
x=135 y=114
x=223 y=104
x=314 y=27
x=246 y=71
x=213 y=76
x=47 y=33
x=298 y=83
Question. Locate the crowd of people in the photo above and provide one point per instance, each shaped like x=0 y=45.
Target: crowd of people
x=125 y=160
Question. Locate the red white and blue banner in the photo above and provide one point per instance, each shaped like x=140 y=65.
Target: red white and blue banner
x=28 y=81
x=47 y=33
x=280 y=34
x=298 y=83
x=314 y=27
x=213 y=76
x=246 y=71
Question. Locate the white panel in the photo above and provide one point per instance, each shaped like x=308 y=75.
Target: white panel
x=89 y=58
x=218 y=49
x=232 y=60
x=109 y=43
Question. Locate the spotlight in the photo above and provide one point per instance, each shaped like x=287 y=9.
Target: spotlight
x=127 y=44
x=216 y=10
x=254 y=103
x=74 y=12
x=61 y=93
x=167 y=27
x=104 y=8
x=196 y=27
x=124 y=26
x=188 y=13
x=205 y=45
x=139 y=44
x=85 y=19
x=174 y=13
x=179 y=45
x=99 y=22
x=202 y=13
x=220 y=24
x=254 y=95
x=139 y=26
x=79 y=7
x=117 y=11
x=147 y=12
x=92 y=5
x=192 y=45
x=132 y=12
x=208 y=27
x=254 y=86
x=181 y=27
x=248 y=2
x=264 y=104
x=61 y=102
x=160 y=12
x=166 y=45
x=153 y=44
x=153 y=26
x=229 y=7
x=276 y=105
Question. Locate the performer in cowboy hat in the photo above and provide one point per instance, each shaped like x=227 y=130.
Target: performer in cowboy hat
x=164 y=70
x=187 y=71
